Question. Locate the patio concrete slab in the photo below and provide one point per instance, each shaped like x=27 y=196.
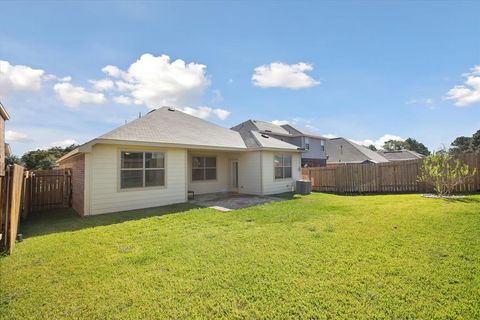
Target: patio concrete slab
x=227 y=201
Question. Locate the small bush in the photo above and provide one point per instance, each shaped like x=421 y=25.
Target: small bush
x=444 y=173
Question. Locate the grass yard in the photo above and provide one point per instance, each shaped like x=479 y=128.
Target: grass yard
x=314 y=257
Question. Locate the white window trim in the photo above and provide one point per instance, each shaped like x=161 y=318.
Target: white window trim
x=283 y=167
x=204 y=168
x=120 y=169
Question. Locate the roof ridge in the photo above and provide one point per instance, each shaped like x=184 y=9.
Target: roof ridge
x=362 y=149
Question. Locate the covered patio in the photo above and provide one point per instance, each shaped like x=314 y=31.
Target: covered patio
x=228 y=201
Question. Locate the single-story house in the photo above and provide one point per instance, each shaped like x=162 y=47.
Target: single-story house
x=159 y=158
x=341 y=151
x=401 y=155
x=314 y=153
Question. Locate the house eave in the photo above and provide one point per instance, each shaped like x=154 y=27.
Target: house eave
x=3 y=112
x=87 y=147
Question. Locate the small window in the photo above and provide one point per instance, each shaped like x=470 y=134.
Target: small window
x=307 y=143
x=204 y=168
x=322 y=145
x=142 y=169
x=282 y=166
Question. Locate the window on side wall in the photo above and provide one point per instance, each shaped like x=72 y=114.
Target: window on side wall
x=322 y=145
x=204 y=168
x=142 y=169
x=307 y=143
x=282 y=166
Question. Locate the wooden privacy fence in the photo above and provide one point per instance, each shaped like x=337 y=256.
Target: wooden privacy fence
x=23 y=192
x=11 y=205
x=47 y=189
x=390 y=177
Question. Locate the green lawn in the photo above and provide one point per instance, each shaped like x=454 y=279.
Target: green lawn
x=315 y=257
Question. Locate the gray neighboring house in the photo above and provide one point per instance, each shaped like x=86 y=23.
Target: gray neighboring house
x=314 y=147
x=401 y=155
x=341 y=151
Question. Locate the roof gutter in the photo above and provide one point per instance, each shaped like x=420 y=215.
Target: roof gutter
x=3 y=112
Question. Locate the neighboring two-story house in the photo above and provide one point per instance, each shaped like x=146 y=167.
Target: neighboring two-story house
x=314 y=147
x=4 y=149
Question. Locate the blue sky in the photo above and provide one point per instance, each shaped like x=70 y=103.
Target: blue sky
x=361 y=70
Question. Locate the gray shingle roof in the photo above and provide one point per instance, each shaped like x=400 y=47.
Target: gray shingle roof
x=341 y=150
x=401 y=155
x=166 y=125
x=265 y=141
x=269 y=127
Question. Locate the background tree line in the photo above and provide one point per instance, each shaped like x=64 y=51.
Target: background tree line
x=40 y=159
x=459 y=145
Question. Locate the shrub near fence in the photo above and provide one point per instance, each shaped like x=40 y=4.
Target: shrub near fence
x=390 y=177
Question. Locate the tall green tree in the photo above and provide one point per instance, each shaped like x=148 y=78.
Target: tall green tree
x=462 y=144
x=394 y=145
x=44 y=159
x=12 y=159
x=476 y=141
x=409 y=144
x=414 y=145
x=466 y=144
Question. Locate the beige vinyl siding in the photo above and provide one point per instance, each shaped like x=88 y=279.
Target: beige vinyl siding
x=272 y=185
x=249 y=173
x=223 y=181
x=105 y=194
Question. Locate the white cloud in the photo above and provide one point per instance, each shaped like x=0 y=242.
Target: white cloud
x=112 y=71
x=217 y=96
x=64 y=143
x=469 y=92
x=298 y=121
x=155 y=81
x=102 y=85
x=72 y=96
x=11 y=136
x=123 y=99
x=428 y=102
x=64 y=79
x=221 y=113
x=280 y=122
x=329 y=135
x=311 y=127
x=379 y=142
x=282 y=75
x=19 y=78
x=206 y=112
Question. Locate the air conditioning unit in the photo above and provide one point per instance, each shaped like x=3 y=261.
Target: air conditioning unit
x=304 y=187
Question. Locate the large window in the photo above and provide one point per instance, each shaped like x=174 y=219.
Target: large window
x=142 y=169
x=204 y=168
x=283 y=166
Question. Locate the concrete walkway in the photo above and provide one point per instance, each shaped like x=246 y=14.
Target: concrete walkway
x=228 y=201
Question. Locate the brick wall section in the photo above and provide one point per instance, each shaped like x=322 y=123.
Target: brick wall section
x=77 y=164
x=2 y=146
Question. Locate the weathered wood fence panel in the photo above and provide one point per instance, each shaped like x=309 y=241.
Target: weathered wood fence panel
x=48 y=189
x=390 y=177
x=11 y=205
